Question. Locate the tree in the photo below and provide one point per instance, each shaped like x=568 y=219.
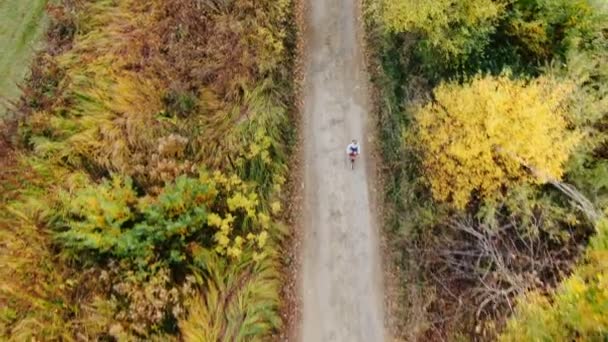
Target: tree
x=453 y=27
x=545 y=29
x=576 y=310
x=491 y=133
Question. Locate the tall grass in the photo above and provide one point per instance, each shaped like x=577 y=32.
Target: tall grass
x=239 y=303
x=150 y=91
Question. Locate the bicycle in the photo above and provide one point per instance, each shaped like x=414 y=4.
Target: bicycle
x=352 y=157
x=353 y=150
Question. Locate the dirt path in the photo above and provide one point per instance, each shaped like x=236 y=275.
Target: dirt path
x=341 y=279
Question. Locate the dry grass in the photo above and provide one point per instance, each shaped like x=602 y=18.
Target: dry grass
x=149 y=90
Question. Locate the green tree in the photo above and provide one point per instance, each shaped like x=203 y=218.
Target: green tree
x=546 y=29
x=452 y=27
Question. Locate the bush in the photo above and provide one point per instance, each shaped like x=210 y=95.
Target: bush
x=213 y=212
x=576 y=310
x=152 y=247
x=508 y=234
x=456 y=39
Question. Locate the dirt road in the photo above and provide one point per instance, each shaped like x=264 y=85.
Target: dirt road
x=341 y=281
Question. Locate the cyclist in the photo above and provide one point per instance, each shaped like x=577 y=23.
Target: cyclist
x=353 y=149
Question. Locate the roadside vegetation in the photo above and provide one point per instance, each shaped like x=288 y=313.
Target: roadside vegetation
x=143 y=169
x=492 y=118
x=23 y=24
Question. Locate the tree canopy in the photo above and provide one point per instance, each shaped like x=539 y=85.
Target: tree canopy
x=487 y=134
x=436 y=22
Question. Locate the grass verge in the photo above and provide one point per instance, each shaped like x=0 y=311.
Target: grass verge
x=23 y=24
x=145 y=172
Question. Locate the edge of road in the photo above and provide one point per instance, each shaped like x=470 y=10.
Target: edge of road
x=291 y=293
x=377 y=185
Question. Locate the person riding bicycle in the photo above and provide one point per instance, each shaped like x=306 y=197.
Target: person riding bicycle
x=353 y=149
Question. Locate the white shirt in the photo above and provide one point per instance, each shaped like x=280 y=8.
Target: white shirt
x=354 y=146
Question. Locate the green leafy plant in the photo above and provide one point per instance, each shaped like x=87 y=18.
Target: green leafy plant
x=215 y=212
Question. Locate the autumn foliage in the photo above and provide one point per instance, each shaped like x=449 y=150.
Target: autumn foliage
x=576 y=310
x=493 y=131
x=455 y=28
x=491 y=134
x=148 y=164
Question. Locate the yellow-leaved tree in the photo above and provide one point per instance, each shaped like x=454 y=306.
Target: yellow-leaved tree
x=454 y=27
x=491 y=133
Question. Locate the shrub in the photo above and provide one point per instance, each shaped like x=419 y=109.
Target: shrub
x=150 y=244
x=214 y=212
x=517 y=236
x=576 y=310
